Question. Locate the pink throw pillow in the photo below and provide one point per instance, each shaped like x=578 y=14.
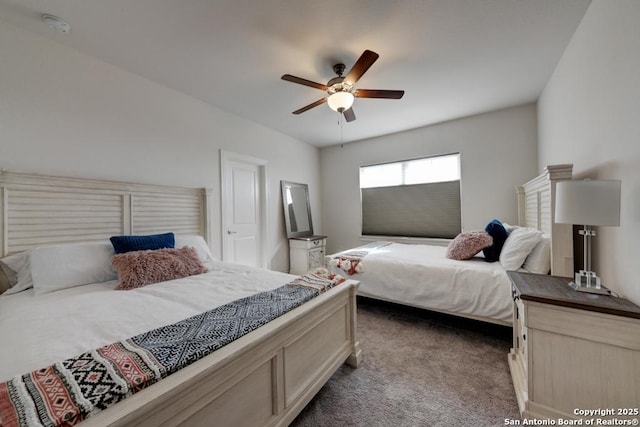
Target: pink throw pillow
x=140 y=268
x=467 y=244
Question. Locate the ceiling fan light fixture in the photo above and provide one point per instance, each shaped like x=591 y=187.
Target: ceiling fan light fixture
x=340 y=101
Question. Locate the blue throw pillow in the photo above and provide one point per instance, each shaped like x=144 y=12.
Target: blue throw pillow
x=496 y=230
x=122 y=244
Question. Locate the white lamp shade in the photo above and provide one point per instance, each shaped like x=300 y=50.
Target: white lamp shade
x=588 y=202
x=340 y=101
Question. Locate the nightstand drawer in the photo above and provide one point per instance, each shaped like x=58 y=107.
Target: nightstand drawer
x=520 y=331
x=307 y=244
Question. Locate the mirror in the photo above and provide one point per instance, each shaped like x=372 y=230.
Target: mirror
x=297 y=211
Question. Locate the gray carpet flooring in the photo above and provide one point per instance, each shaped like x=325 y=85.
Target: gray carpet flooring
x=419 y=368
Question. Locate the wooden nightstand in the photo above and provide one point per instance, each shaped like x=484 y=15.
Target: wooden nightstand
x=306 y=253
x=572 y=350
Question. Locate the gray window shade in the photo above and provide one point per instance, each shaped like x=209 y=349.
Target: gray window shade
x=420 y=210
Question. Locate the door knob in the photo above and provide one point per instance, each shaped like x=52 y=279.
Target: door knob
x=231 y=232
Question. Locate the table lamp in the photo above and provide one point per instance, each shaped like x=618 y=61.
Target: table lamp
x=588 y=203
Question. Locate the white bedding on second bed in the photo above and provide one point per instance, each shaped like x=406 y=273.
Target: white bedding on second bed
x=37 y=331
x=422 y=276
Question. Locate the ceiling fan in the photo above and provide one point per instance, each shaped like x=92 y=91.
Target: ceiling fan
x=342 y=91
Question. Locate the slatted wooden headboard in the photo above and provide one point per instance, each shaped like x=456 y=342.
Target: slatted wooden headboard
x=37 y=210
x=536 y=208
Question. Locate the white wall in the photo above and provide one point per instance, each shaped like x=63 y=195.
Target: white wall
x=497 y=151
x=66 y=113
x=589 y=116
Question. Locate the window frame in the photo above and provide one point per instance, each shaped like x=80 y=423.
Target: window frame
x=400 y=237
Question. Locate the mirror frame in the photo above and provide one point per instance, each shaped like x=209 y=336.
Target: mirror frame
x=287 y=220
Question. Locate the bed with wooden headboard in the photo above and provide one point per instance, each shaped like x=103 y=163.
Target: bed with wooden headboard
x=424 y=276
x=38 y=210
x=536 y=208
x=265 y=377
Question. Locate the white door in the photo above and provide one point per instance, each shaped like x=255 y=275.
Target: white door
x=243 y=207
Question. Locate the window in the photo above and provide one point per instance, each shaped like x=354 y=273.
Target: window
x=412 y=198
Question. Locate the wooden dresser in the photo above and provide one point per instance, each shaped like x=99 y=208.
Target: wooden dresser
x=572 y=350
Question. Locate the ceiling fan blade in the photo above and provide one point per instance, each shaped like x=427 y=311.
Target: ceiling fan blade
x=310 y=106
x=361 y=66
x=300 y=80
x=379 y=93
x=349 y=115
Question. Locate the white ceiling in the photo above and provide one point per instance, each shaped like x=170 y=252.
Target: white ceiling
x=453 y=58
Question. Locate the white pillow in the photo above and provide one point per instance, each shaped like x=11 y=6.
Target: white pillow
x=58 y=267
x=20 y=264
x=197 y=242
x=539 y=260
x=518 y=246
x=509 y=228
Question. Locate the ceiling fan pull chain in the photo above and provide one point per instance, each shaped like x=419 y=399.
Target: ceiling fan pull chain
x=341 y=122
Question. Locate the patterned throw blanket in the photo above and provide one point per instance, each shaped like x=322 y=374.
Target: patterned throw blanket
x=351 y=261
x=67 y=392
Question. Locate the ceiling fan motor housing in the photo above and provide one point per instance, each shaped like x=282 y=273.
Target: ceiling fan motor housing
x=337 y=84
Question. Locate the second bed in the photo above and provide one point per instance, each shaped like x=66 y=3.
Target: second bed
x=422 y=276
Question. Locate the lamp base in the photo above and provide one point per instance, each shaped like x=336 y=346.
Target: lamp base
x=588 y=281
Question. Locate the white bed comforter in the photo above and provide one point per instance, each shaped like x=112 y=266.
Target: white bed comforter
x=422 y=276
x=37 y=331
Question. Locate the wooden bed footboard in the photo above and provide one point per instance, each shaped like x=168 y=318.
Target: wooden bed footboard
x=264 y=378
